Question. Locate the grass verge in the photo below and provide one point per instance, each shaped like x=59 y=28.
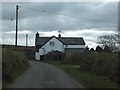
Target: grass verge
x=86 y=79
x=13 y=64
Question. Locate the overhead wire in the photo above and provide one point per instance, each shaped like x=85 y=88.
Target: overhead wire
x=20 y=21
x=88 y=19
x=49 y=25
x=22 y=16
x=55 y=28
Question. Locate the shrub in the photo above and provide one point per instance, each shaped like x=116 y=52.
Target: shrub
x=105 y=64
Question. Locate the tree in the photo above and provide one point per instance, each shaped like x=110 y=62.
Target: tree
x=99 y=49
x=91 y=49
x=110 y=41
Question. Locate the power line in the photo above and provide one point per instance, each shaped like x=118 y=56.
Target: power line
x=20 y=13
x=50 y=25
x=88 y=19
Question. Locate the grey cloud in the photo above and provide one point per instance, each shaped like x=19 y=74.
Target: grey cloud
x=63 y=16
x=85 y=10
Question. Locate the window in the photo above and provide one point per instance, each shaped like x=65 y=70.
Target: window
x=52 y=43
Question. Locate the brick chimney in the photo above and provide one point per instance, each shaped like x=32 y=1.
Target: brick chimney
x=59 y=35
x=37 y=35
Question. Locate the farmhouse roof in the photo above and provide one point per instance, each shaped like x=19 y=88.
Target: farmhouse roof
x=65 y=40
x=72 y=40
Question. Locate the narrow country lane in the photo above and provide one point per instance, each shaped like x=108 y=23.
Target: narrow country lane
x=43 y=75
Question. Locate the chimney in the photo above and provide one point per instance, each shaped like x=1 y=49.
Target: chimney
x=59 y=35
x=37 y=35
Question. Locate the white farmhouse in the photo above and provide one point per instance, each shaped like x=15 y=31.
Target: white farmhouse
x=61 y=44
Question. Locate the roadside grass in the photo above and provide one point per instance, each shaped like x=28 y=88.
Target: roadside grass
x=13 y=64
x=13 y=75
x=85 y=78
x=97 y=63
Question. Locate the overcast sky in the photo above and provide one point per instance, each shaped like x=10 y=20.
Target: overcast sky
x=81 y=19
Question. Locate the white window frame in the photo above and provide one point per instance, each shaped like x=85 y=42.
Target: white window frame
x=52 y=43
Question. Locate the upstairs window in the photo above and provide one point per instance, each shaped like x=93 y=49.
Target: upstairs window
x=52 y=43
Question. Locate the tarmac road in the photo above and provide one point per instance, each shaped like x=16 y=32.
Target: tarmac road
x=43 y=75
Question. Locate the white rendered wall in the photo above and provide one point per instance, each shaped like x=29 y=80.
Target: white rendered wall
x=37 y=56
x=47 y=47
x=74 y=46
x=41 y=51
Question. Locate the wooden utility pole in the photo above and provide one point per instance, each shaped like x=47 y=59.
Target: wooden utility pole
x=26 y=44
x=26 y=40
x=16 y=24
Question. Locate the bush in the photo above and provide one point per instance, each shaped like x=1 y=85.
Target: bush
x=105 y=64
x=75 y=58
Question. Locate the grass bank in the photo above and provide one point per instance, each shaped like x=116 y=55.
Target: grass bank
x=13 y=64
x=98 y=63
x=85 y=78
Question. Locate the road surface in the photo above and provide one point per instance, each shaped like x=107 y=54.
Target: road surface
x=43 y=75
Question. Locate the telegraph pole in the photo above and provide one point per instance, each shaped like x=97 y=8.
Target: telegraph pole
x=118 y=38
x=26 y=40
x=16 y=24
x=26 y=43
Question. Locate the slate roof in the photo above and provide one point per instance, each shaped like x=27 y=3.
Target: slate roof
x=72 y=40
x=65 y=40
x=41 y=40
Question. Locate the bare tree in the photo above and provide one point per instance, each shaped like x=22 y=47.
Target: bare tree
x=110 y=41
